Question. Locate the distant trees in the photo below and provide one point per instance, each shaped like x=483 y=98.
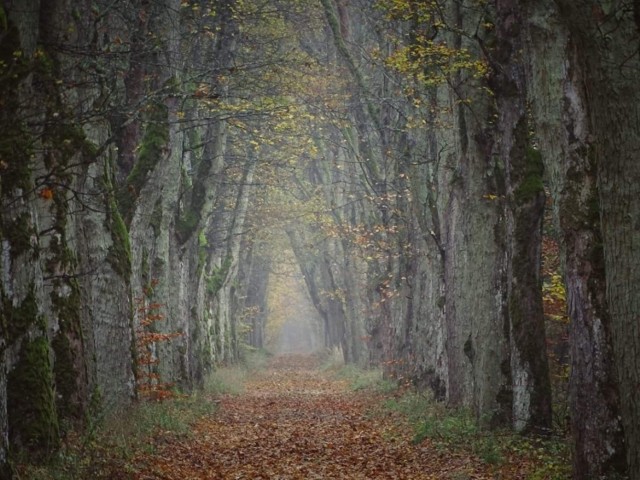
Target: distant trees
x=443 y=135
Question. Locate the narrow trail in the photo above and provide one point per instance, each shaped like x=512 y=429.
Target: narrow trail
x=296 y=422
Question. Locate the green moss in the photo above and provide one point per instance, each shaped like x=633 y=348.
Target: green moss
x=61 y=138
x=96 y=406
x=19 y=233
x=203 y=243
x=68 y=307
x=65 y=139
x=61 y=257
x=154 y=141
x=532 y=183
x=16 y=141
x=65 y=377
x=33 y=421
x=202 y=239
x=218 y=276
x=155 y=221
x=119 y=254
x=186 y=225
x=15 y=153
x=189 y=219
x=4 y=22
x=150 y=151
x=67 y=346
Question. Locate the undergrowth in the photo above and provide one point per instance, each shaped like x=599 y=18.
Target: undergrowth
x=446 y=429
x=366 y=379
x=108 y=446
x=357 y=377
x=230 y=380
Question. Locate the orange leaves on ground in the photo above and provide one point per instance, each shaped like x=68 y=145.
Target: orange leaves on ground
x=295 y=422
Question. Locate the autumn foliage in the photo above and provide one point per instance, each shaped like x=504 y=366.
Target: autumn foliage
x=149 y=385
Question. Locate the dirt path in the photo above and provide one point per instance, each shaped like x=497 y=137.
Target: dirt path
x=295 y=422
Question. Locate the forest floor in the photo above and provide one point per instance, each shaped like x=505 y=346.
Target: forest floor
x=295 y=421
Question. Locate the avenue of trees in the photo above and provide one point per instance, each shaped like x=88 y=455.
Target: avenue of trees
x=169 y=167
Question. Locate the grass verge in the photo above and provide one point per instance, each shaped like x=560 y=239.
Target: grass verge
x=446 y=429
x=542 y=458
x=357 y=377
x=109 y=447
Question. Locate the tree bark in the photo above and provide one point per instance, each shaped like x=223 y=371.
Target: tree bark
x=558 y=71
x=525 y=199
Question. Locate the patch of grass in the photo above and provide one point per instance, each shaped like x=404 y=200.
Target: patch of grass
x=131 y=428
x=226 y=381
x=551 y=457
x=254 y=359
x=416 y=406
x=112 y=444
x=333 y=360
x=230 y=380
x=359 y=378
x=108 y=449
x=370 y=379
x=456 y=429
x=446 y=426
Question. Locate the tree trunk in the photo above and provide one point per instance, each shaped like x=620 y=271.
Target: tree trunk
x=254 y=278
x=615 y=116
x=525 y=199
x=564 y=131
x=473 y=229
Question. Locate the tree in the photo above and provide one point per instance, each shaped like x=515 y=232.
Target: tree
x=572 y=140
x=484 y=229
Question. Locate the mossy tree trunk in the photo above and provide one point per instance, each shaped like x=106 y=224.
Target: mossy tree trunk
x=525 y=200
x=43 y=345
x=561 y=107
x=459 y=228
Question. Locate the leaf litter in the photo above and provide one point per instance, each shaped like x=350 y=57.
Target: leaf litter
x=295 y=421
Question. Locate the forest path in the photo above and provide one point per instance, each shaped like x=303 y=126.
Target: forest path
x=297 y=422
